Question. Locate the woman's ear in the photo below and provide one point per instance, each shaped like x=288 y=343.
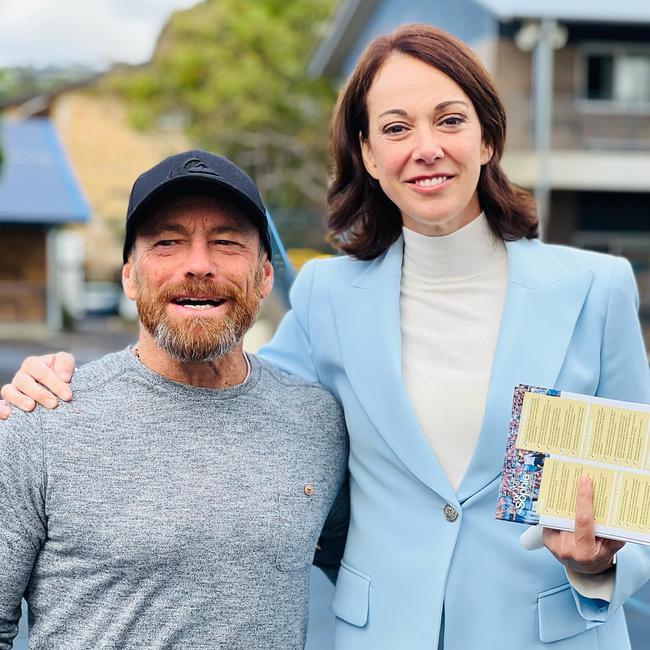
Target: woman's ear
x=486 y=153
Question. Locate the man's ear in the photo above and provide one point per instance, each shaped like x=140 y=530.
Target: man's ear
x=267 y=278
x=128 y=279
x=368 y=158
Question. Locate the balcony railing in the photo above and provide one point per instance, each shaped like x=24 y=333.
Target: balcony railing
x=580 y=124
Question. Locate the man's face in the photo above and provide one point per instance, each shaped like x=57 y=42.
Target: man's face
x=197 y=276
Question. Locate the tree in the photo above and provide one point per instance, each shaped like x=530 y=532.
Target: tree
x=232 y=74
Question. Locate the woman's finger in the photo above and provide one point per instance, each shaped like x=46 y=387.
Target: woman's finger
x=585 y=536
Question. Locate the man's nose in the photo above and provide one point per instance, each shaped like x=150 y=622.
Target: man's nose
x=200 y=262
x=427 y=146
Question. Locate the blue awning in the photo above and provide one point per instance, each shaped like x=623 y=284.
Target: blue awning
x=37 y=185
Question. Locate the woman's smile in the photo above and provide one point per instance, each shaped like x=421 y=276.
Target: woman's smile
x=429 y=184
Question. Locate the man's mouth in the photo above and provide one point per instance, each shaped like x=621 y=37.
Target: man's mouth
x=198 y=303
x=429 y=181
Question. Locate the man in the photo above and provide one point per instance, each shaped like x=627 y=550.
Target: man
x=177 y=501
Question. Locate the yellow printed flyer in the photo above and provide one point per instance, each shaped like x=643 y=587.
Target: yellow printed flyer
x=554 y=438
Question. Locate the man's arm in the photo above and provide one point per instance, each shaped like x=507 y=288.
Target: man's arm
x=22 y=515
x=43 y=380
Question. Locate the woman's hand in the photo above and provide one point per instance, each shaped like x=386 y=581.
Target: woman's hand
x=40 y=380
x=581 y=550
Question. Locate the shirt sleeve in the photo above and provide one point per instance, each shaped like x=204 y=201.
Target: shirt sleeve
x=598 y=586
x=22 y=514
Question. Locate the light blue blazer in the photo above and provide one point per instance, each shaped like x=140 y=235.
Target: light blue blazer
x=570 y=322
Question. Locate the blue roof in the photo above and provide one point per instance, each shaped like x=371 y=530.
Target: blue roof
x=36 y=182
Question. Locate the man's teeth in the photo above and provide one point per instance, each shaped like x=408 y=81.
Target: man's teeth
x=199 y=304
x=430 y=182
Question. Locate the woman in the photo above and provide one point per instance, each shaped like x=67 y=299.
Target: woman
x=444 y=302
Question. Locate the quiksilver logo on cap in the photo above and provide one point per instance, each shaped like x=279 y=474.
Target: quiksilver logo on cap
x=194 y=165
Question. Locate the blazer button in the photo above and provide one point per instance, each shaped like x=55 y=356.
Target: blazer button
x=309 y=489
x=451 y=514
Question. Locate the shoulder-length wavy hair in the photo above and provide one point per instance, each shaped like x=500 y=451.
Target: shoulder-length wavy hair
x=362 y=220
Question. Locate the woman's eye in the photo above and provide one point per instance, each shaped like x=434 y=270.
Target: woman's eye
x=394 y=129
x=452 y=120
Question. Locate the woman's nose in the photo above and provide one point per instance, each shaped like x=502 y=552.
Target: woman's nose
x=427 y=147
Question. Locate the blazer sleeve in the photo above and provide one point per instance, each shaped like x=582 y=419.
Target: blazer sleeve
x=624 y=375
x=290 y=348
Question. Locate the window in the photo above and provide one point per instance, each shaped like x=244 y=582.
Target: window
x=621 y=77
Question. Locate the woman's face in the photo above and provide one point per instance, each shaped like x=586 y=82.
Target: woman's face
x=424 y=145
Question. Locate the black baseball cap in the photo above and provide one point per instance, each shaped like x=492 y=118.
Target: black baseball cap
x=195 y=172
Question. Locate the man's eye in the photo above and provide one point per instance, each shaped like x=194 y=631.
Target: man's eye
x=166 y=242
x=225 y=242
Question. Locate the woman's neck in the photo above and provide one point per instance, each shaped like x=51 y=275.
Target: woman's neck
x=466 y=252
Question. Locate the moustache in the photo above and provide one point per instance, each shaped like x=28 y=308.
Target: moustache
x=206 y=289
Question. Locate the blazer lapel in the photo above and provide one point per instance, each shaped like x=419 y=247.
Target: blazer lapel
x=371 y=350
x=543 y=302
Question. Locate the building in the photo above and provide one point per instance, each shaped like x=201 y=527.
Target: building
x=38 y=195
x=575 y=79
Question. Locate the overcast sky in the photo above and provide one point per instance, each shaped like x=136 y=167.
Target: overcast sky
x=90 y=32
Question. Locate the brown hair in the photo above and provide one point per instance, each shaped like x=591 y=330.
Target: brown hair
x=363 y=221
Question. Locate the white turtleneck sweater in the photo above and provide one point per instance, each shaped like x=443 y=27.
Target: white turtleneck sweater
x=452 y=295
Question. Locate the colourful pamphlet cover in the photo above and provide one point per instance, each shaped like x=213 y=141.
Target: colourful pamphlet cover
x=554 y=438
x=522 y=468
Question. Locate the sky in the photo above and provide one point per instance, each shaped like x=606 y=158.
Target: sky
x=95 y=33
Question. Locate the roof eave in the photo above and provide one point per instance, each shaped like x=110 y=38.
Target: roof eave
x=569 y=14
x=348 y=19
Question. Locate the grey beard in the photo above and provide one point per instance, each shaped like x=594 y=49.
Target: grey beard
x=197 y=349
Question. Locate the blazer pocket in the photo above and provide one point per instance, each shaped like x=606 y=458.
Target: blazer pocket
x=298 y=525
x=558 y=615
x=351 y=596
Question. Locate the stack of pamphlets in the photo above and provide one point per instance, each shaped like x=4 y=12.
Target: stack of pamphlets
x=554 y=438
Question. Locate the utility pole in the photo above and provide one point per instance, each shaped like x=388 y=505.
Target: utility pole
x=543 y=59
x=543 y=38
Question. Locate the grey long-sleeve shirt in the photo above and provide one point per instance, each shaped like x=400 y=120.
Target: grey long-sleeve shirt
x=151 y=514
